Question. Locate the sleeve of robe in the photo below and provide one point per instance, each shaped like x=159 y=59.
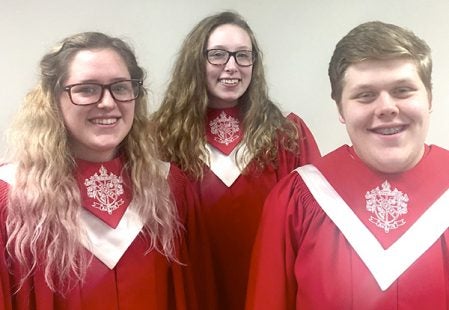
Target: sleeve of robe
x=5 y=298
x=196 y=246
x=272 y=283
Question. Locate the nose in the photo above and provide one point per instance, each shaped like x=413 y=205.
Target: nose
x=107 y=101
x=231 y=65
x=386 y=106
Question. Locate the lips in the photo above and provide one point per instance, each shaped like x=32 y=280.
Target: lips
x=229 y=82
x=388 y=131
x=104 y=121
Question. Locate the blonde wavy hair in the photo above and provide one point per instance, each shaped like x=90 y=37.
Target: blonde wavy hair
x=44 y=203
x=180 y=120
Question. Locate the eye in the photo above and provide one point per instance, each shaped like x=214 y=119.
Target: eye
x=86 y=90
x=403 y=92
x=123 y=87
x=365 y=97
x=218 y=53
x=244 y=55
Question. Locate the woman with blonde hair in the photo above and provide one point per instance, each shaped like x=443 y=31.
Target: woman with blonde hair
x=218 y=124
x=93 y=220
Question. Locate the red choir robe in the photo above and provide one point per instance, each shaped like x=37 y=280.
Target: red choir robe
x=338 y=235
x=133 y=281
x=231 y=205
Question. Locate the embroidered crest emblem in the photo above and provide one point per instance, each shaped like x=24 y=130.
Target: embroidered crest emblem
x=106 y=189
x=225 y=128
x=387 y=205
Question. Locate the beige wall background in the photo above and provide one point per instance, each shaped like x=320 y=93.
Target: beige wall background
x=296 y=36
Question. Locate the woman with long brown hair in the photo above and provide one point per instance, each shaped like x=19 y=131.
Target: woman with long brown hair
x=218 y=124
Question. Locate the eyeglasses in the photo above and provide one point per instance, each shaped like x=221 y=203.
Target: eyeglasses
x=221 y=57
x=91 y=93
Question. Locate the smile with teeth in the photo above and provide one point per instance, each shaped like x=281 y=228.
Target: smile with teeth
x=229 y=82
x=389 y=131
x=104 y=121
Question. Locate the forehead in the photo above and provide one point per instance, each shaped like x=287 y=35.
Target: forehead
x=96 y=64
x=381 y=72
x=229 y=35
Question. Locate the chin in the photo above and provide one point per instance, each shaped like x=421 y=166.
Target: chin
x=106 y=148
x=394 y=165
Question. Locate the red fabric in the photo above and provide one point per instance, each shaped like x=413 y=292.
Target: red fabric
x=301 y=260
x=101 y=192
x=223 y=128
x=138 y=281
x=231 y=215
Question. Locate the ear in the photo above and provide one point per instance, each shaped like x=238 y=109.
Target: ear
x=340 y=114
x=429 y=98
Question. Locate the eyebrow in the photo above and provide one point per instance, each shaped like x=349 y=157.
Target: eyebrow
x=239 y=48
x=394 y=82
x=97 y=81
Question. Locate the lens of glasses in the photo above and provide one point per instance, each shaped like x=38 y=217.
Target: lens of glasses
x=125 y=90
x=220 y=57
x=90 y=93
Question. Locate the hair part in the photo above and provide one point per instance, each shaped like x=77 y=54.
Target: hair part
x=180 y=119
x=379 y=41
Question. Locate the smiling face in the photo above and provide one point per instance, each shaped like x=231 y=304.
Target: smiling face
x=386 y=108
x=95 y=131
x=227 y=83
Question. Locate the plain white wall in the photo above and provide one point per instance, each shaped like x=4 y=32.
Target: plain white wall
x=297 y=38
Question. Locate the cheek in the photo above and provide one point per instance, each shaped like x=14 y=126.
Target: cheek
x=425 y=118
x=354 y=114
x=353 y=121
x=131 y=112
x=72 y=124
x=211 y=79
x=128 y=112
x=73 y=116
x=246 y=79
x=68 y=115
x=209 y=85
x=249 y=75
x=418 y=112
x=212 y=72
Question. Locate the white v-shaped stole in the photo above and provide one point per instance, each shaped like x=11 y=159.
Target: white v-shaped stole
x=106 y=243
x=386 y=265
x=225 y=167
x=109 y=244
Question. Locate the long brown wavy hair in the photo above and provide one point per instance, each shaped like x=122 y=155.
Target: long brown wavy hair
x=44 y=203
x=180 y=120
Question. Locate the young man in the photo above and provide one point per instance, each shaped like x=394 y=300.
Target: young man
x=365 y=227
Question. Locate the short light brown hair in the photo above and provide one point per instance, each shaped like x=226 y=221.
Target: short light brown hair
x=378 y=40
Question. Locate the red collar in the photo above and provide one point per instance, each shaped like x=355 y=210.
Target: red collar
x=223 y=128
x=105 y=189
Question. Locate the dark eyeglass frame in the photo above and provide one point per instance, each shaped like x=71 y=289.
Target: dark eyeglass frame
x=68 y=89
x=231 y=54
